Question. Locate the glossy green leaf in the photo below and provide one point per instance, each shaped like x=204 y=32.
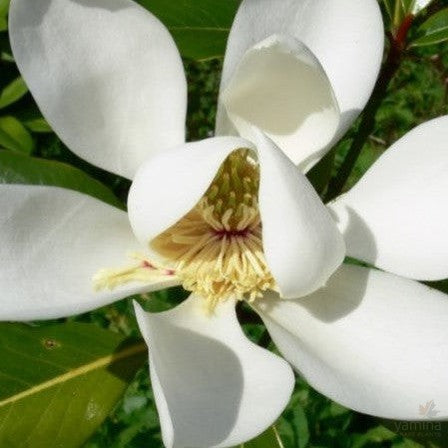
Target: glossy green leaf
x=38 y=125
x=269 y=439
x=6 y=56
x=398 y=14
x=300 y=422
x=4 y=6
x=374 y=435
x=58 y=383
x=389 y=6
x=20 y=169
x=30 y=117
x=398 y=10
x=407 y=5
x=433 y=31
x=320 y=174
x=200 y=27
x=13 y=92
x=14 y=136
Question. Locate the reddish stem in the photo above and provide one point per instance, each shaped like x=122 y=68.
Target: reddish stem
x=400 y=38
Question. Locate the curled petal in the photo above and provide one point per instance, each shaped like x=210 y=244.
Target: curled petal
x=280 y=87
x=213 y=387
x=396 y=217
x=338 y=40
x=170 y=184
x=372 y=341
x=303 y=246
x=114 y=92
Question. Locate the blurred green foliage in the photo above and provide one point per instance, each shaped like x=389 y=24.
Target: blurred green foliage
x=419 y=92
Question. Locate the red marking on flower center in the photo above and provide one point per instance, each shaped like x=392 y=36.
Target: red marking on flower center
x=147 y=264
x=232 y=233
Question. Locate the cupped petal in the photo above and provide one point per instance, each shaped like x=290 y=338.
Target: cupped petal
x=346 y=37
x=281 y=88
x=52 y=243
x=105 y=73
x=171 y=183
x=302 y=244
x=213 y=387
x=372 y=341
x=396 y=217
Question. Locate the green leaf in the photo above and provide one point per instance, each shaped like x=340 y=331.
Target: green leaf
x=6 y=56
x=31 y=117
x=200 y=27
x=390 y=8
x=3 y=24
x=14 y=136
x=320 y=174
x=4 y=7
x=433 y=31
x=20 y=169
x=58 y=383
x=13 y=92
x=374 y=435
x=300 y=423
x=269 y=439
x=408 y=6
x=38 y=125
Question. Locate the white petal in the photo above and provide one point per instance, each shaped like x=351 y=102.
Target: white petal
x=281 y=88
x=345 y=36
x=419 y=5
x=106 y=75
x=170 y=184
x=371 y=341
x=213 y=387
x=52 y=242
x=396 y=217
x=302 y=244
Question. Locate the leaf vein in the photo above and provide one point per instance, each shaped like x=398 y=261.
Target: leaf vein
x=79 y=371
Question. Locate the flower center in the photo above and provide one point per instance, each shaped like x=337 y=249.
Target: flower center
x=216 y=249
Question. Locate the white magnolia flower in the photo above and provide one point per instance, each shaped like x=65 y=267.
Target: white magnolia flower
x=232 y=217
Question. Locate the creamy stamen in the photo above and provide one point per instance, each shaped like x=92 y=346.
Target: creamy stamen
x=216 y=250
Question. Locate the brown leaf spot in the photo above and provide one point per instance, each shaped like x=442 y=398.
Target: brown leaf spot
x=51 y=344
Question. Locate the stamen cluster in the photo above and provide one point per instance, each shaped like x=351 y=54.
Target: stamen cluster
x=217 y=248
